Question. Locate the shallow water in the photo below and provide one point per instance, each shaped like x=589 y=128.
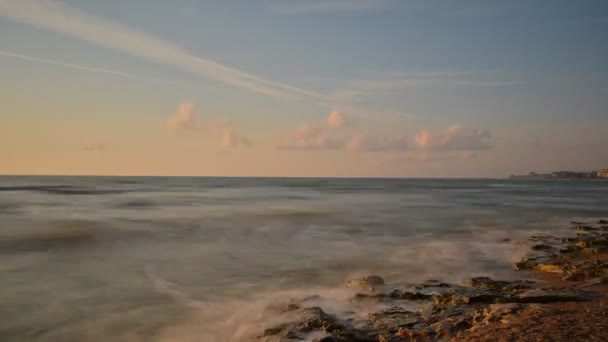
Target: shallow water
x=198 y=259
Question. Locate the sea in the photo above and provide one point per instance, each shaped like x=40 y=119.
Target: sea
x=201 y=259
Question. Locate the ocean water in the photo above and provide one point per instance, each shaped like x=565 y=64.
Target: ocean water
x=200 y=259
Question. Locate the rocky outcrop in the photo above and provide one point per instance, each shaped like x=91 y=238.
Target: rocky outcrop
x=442 y=310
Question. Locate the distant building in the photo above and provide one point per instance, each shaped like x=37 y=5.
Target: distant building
x=602 y=173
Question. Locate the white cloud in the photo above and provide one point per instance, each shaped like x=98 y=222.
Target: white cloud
x=63 y=18
x=183 y=119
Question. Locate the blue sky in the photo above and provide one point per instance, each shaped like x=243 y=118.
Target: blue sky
x=420 y=88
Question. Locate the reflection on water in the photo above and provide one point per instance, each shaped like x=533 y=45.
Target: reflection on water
x=147 y=258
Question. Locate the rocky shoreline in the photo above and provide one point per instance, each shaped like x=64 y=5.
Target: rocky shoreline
x=569 y=273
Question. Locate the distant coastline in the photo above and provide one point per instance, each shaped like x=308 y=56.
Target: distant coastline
x=596 y=175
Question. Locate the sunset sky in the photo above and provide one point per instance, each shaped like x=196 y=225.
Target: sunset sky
x=398 y=88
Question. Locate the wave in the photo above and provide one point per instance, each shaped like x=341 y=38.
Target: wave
x=58 y=235
x=136 y=204
x=61 y=190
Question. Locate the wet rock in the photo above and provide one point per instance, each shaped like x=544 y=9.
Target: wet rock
x=469 y=296
x=391 y=320
x=369 y=283
x=586 y=270
x=408 y=295
x=550 y=296
x=583 y=228
x=495 y=313
x=542 y=247
x=497 y=285
x=531 y=263
x=551 y=268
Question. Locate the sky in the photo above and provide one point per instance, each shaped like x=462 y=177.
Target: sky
x=303 y=88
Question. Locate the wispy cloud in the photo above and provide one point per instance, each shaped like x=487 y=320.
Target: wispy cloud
x=397 y=81
x=319 y=6
x=94 y=69
x=63 y=18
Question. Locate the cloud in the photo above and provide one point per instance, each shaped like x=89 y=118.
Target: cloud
x=229 y=139
x=393 y=82
x=312 y=137
x=328 y=136
x=63 y=18
x=423 y=138
x=317 y=136
x=183 y=119
x=320 y=6
x=456 y=137
x=94 y=69
x=453 y=138
x=365 y=142
x=335 y=119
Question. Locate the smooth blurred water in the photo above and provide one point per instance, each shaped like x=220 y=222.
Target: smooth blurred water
x=164 y=259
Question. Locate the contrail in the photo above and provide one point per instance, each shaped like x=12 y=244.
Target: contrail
x=93 y=69
x=62 y=18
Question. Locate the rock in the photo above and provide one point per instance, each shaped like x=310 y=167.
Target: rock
x=586 y=270
x=407 y=295
x=548 y=296
x=495 y=313
x=498 y=285
x=552 y=268
x=542 y=247
x=582 y=228
x=602 y=221
x=531 y=263
x=468 y=296
x=370 y=283
x=393 y=319
x=327 y=339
